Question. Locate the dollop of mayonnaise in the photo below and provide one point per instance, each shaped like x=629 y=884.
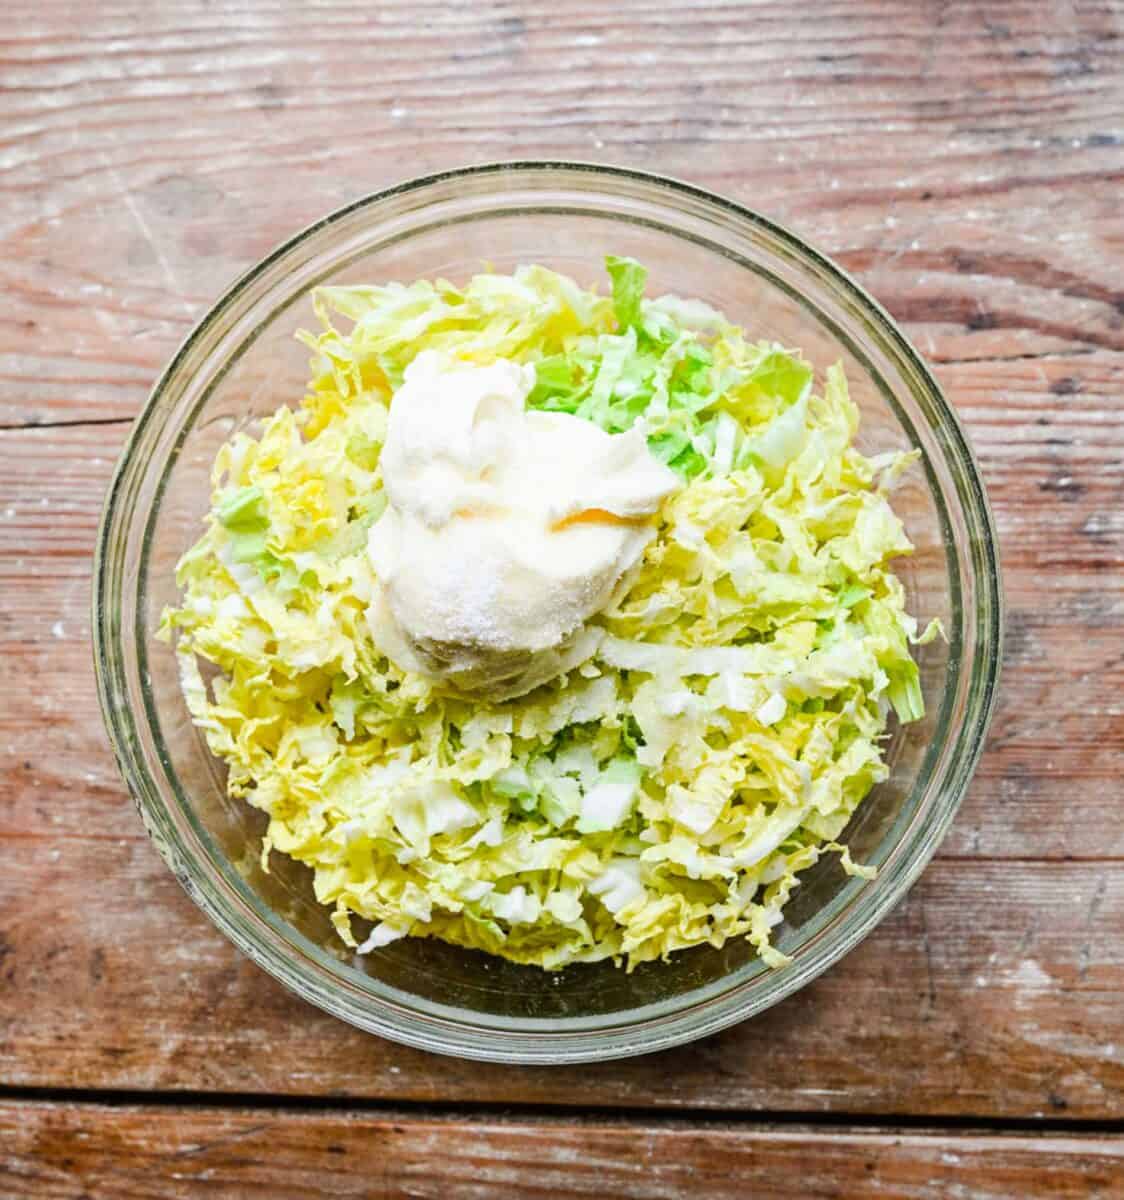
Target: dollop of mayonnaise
x=505 y=530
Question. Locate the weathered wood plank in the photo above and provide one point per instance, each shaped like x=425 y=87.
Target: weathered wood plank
x=1010 y=970
x=971 y=179
x=993 y=990
x=64 y=1151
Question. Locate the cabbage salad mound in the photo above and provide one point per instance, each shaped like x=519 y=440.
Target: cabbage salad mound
x=556 y=625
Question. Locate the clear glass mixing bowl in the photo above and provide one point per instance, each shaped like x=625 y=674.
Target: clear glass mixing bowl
x=241 y=362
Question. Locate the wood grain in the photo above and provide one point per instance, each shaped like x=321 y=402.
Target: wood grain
x=996 y=930
x=993 y=990
x=965 y=162
x=64 y=1151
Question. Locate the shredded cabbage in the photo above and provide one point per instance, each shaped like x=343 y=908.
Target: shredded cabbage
x=666 y=793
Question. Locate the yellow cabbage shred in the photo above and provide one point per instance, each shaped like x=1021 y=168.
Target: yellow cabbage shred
x=664 y=795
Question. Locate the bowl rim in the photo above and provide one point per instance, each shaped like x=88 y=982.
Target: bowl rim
x=617 y=1035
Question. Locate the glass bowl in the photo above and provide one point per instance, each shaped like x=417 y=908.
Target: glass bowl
x=241 y=362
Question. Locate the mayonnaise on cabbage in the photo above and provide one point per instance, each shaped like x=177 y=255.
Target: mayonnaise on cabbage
x=505 y=530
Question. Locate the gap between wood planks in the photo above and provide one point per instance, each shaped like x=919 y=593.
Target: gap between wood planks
x=248 y=1102
x=932 y=360
x=19 y=426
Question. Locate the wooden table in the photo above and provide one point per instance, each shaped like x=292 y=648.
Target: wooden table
x=966 y=162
